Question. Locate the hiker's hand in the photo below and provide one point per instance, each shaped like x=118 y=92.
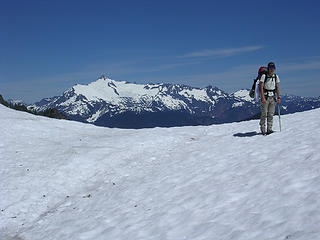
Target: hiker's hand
x=263 y=100
x=278 y=100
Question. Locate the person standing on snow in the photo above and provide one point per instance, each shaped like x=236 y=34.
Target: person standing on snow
x=269 y=87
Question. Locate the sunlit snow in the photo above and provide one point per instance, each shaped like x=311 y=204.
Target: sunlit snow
x=69 y=180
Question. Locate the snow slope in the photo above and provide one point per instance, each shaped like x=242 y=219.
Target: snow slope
x=68 y=180
x=114 y=91
x=110 y=90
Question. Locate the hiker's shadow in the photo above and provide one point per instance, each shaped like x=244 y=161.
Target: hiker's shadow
x=247 y=134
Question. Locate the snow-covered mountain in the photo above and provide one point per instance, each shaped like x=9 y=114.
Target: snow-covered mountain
x=68 y=180
x=111 y=103
x=16 y=102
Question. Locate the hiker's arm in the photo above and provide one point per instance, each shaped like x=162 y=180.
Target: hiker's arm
x=263 y=99
x=278 y=93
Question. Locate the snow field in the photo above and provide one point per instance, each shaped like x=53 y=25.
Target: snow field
x=67 y=180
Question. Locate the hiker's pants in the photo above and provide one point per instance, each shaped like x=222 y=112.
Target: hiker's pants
x=267 y=111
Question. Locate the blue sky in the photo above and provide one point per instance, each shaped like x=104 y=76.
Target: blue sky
x=48 y=46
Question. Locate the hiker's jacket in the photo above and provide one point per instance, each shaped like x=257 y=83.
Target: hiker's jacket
x=270 y=82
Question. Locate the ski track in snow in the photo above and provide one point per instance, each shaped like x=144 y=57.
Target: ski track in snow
x=67 y=180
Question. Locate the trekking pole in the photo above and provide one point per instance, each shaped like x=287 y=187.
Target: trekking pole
x=279 y=116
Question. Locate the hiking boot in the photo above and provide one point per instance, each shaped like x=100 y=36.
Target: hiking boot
x=269 y=132
x=263 y=131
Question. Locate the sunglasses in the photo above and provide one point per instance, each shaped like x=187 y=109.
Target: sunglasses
x=272 y=67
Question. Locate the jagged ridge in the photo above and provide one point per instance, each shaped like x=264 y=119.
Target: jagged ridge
x=111 y=103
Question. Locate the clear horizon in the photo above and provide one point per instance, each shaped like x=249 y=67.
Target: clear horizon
x=47 y=47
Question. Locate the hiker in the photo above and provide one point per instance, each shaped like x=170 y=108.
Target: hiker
x=269 y=88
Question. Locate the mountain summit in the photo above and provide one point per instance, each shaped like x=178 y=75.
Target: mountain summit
x=106 y=102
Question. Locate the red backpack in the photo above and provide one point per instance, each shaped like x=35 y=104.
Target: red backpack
x=262 y=70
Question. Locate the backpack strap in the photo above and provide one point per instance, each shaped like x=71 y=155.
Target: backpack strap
x=265 y=91
x=274 y=76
